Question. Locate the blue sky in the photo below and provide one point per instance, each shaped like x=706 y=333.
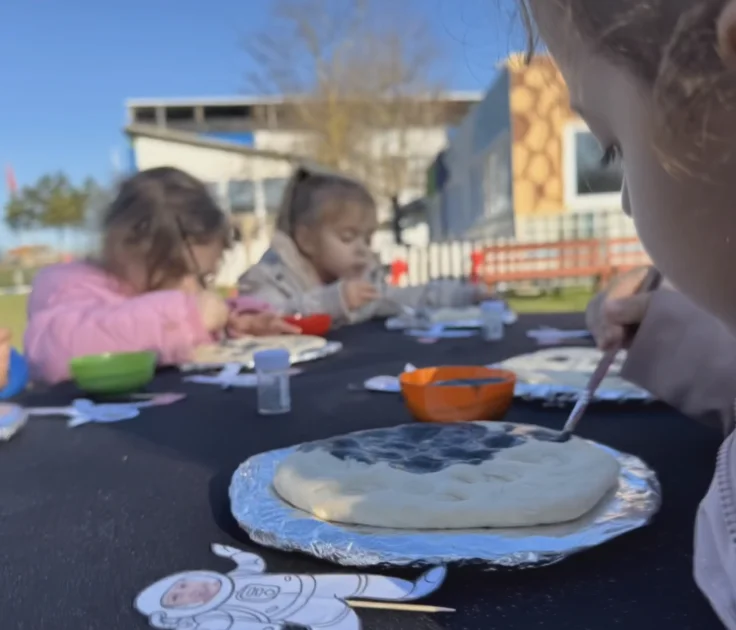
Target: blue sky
x=67 y=67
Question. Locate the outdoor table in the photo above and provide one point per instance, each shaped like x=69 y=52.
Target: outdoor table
x=91 y=516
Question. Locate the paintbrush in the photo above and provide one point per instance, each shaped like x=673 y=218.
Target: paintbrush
x=650 y=283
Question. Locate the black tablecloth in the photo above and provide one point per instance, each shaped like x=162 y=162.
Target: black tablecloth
x=91 y=516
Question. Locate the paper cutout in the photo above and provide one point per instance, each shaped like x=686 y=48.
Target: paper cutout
x=248 y=598
x=389 y=384
x=439 y=331
x=12 y=420
x=159 y=400
x=230 y=376
x=465 y=318
x=83 y=411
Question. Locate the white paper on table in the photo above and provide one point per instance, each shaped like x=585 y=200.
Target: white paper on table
x=387 y=384
x=473 y=320
x=230 y=376
x=546 y=335
x=439 y=331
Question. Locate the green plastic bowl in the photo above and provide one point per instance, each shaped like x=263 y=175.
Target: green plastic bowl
x=113 y=373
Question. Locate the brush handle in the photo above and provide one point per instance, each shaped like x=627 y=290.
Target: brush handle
x=650 y=283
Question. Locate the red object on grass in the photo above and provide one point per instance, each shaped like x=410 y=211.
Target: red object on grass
x=317 y=324
x=399 y=268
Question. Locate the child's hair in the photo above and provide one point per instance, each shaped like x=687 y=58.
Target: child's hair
x=157 y=215
x=314 y=196
x=671 y=45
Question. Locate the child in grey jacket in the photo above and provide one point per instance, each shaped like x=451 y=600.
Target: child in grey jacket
x=320 y=258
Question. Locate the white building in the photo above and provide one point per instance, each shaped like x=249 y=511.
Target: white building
x=245 y=149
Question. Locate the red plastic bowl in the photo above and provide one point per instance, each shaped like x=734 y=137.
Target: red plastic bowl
x=316 y=325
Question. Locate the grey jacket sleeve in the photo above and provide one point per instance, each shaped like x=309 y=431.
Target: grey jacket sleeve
x=686 y=358
x=272 y=285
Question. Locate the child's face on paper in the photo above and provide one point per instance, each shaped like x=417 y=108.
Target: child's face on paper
x=189 y=592
x=685 y=220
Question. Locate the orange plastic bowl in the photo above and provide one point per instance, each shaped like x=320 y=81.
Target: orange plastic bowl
x=457 y=403
x=317 y=324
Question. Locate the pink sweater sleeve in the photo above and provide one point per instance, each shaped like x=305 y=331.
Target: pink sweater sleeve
x=248 y=304
x=166 y=322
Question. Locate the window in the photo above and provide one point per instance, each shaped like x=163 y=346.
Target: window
x=273 y=191
x=242 y=196
x=589 y=184
x=145 y=115
x=179 y=114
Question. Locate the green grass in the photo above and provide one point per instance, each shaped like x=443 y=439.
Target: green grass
x=13 y=316
x=13 y=308
x=572 y=300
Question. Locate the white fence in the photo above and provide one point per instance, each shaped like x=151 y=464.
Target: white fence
x=453 y=259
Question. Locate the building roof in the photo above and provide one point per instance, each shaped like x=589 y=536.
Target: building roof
x=450 y=97
x=197 y=140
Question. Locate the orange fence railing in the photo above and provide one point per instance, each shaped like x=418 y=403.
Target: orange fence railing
x=511 y=262
x=585 y=258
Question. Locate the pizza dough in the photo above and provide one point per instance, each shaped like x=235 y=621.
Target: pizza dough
x=242 y=350
x=569 y=367
x=452 y=476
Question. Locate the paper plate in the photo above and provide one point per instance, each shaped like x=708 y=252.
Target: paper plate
x=561 y=374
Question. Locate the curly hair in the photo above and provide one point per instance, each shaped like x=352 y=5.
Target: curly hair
x=671 y=45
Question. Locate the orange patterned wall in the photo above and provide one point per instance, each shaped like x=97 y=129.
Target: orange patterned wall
x=539 y=113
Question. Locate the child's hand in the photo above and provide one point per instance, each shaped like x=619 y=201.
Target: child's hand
x=213 y=309
x=357 y=293
x=259 y=324
x=611 y=313
x=4 y=356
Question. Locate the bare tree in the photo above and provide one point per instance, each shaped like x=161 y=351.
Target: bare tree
x=358 y=79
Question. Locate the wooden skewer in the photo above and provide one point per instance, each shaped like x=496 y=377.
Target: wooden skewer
x=397 y=606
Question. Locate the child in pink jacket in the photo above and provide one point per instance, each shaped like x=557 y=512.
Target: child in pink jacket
x=656 y=83
x=163 y=237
